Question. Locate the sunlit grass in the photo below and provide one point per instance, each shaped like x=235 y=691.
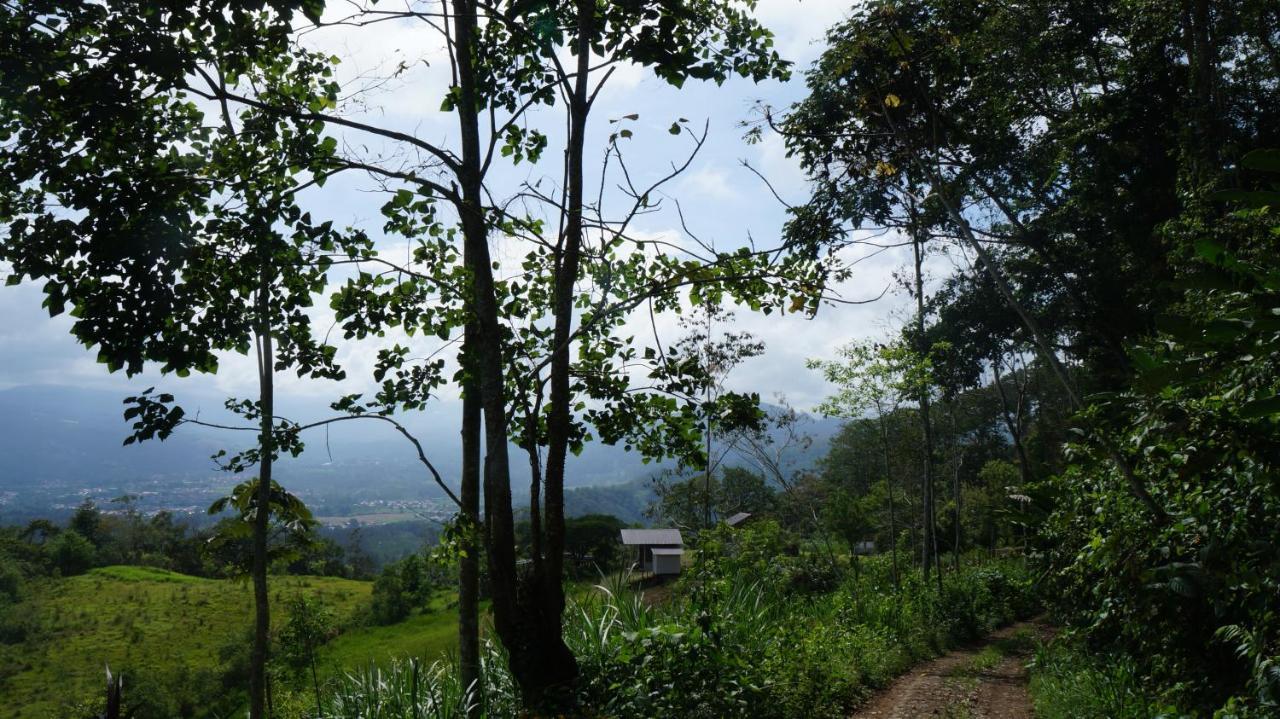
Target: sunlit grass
x=135 y=618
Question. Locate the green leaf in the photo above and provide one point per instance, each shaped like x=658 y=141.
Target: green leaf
x=1263 y=160
x=1249 y=198
x=1209 y=250
x=1176 y=326
x=1261 y=408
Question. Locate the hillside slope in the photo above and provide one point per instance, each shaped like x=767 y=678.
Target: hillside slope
x=177 y=636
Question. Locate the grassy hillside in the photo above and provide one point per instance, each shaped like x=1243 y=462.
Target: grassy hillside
x=423 y=635
x=167 y=630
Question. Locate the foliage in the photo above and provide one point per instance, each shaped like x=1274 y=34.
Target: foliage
x=310 y=625
x=405 y=586
x=682 y=500
x=726 y=645
x=592 y=541
x=70 y=553
x=1068 y=682
x=414 y=689
x=1191 y=595
x=11 y=580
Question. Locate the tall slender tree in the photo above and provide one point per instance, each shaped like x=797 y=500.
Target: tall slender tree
x=172 y=238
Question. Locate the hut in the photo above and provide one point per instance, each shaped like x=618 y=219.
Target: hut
x=738 y=519
x=864 y=548
x=656 y=550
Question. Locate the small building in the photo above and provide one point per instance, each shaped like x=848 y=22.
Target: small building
x=666 y=560
x=864 y=548
x=656 y=550
x=738 y=519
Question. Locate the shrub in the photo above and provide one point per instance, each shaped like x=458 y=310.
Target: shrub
x=70 y=553
x=18 y=623
x=812 y=575
x=11 y=581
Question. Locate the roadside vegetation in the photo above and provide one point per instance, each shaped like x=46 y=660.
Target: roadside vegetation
x=746 y=631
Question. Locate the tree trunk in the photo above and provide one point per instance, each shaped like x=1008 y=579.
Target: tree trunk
x=560 y=667
x=262 y=517
x=538 y=657
x=929 y=557
x=958 y=452
x=469 y=519
x=888 y=483
x=1201 y=55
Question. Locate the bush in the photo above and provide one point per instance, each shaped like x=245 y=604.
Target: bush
x=1164 y=577
x=70 y=553
x=11 y=581
x=18 y=623
x=402 y=587
x=812 y=575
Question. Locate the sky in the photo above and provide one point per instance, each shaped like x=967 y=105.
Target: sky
x=723 y=203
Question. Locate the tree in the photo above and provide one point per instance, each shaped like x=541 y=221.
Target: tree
x=192 y=240
x=877 y=378
x=506 y=59
x=1058 y=177
x=593 y=538
x=683 y=501
x=742 y=490
x=87 y=522
x=310 y=625
x=538 y=390
x=990 y=501
x=1199 y=422
x=70 y=553
x=714 y=358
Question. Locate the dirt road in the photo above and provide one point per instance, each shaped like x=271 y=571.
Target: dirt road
x=984 y=681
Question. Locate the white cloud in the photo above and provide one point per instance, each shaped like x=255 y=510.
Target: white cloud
x=711 y=183
x=800 y=25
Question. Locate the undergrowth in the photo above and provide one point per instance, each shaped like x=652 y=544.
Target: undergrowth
x=738 y=638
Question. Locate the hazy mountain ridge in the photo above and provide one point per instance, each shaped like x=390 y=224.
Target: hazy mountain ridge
x=59 y=444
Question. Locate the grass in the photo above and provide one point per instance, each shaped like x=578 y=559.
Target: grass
x=982 y=662
x=426 y=636
x=1068 y=682
x=141 y=619
x=144 y=574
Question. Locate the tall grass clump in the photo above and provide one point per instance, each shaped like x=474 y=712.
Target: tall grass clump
x=413 y=689
x=1070 y=683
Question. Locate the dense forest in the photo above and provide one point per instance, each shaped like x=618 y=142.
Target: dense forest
x=1070 y=412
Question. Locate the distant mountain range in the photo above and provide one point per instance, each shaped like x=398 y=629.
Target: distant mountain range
x=57 y=443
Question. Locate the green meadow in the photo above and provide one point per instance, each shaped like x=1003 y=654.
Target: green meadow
x=167 y=630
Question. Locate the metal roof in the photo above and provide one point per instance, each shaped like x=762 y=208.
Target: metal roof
x=737 y=519
x=667 y=551
x=634 y=537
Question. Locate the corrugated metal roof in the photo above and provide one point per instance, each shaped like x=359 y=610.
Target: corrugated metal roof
x=737 y=519
x=667 y=551
x=651 y=536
